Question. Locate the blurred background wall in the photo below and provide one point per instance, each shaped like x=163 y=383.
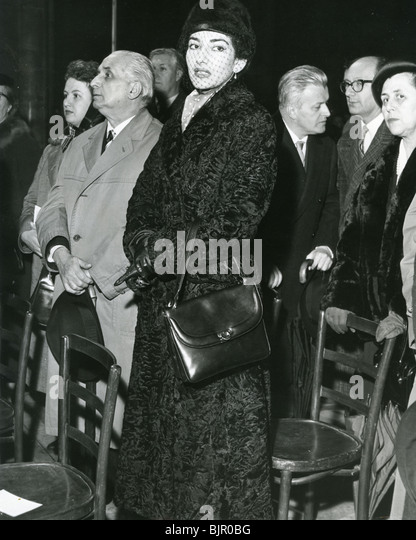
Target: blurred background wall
x=38 y=38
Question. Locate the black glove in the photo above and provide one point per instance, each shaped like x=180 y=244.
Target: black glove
x=140 y=273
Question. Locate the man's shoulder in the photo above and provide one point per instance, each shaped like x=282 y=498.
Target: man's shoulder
x=143 y=124
x=323 y=141
x=82 y=138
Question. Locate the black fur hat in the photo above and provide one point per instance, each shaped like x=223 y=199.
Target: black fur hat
x=228 y=17
x=389 y=70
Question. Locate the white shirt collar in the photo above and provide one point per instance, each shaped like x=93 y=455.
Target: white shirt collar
x=170 y=100
x=374 y=125
x=120 y=127
x=294 y=137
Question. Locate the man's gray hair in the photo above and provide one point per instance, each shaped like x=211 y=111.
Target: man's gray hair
x=173 y=53
x=139 y=69
x=294 y=82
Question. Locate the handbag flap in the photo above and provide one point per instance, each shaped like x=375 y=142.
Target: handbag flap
x=220 y=316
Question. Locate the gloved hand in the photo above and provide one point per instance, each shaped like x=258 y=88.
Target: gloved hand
x=337 y=319
x=140 y=273
x=392 y=326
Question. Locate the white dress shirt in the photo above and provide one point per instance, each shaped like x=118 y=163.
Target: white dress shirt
x=372 y=128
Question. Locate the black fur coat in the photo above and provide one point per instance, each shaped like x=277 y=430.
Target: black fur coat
x=186 y=446
x=366 y=278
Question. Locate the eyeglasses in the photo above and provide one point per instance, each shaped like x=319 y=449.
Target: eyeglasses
x=357 y=85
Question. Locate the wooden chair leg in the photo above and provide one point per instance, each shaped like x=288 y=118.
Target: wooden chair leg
x=310 y=503
x=284 y=495
x=18 y=434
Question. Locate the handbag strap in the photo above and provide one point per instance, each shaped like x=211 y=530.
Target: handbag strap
x=191 y=235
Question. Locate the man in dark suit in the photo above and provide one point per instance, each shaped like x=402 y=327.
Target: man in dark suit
x=302 y=222
x=365 y=135
x=170 y=68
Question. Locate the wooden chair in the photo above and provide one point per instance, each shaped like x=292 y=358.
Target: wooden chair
x=308 y=450
x=66 y=492
x=16 y=323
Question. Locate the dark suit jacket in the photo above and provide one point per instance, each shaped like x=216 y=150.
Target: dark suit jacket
x=304 y=212
x=163 y=113
x=352 y=167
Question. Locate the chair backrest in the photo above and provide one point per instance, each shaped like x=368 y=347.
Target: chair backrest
x=16 y=324
x=370 y=406
x=99 y=413
x=371 y=402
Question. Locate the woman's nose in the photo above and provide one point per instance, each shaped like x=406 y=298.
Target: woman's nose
x=389 y=106
x=200 y=56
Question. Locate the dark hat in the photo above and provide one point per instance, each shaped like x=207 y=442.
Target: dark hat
x=228 y=17
x=73 y=314
x=390 y=69
x=406 y=450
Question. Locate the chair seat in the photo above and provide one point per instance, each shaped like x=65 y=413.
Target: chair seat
x=309 y=446
x=64 y=492
x=6 y=416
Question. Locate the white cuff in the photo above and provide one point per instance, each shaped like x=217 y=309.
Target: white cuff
x=327 y=249
x=51 y=253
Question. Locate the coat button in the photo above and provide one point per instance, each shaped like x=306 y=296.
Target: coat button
x=320 y=201
x=77 y=238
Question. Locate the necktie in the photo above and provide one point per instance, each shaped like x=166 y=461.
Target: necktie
x=107 y=140
x=362 y=139
x=300 y=146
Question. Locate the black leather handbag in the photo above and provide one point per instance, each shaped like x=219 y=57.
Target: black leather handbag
x=217 y=332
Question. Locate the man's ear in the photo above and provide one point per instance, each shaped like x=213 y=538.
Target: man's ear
x=179 y=75
x=135 y=90
x=291 y=110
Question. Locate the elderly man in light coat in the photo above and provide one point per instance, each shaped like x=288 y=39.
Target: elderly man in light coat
x=81 y=226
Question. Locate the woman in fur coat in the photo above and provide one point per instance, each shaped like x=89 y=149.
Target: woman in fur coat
x=367 y=279
x=192 y=451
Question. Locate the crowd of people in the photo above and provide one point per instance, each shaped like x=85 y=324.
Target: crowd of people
x=153 y=144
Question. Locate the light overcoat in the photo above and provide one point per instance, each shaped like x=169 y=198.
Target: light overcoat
x=87 y=208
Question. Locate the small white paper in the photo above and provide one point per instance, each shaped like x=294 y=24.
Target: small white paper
x=14 y=506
